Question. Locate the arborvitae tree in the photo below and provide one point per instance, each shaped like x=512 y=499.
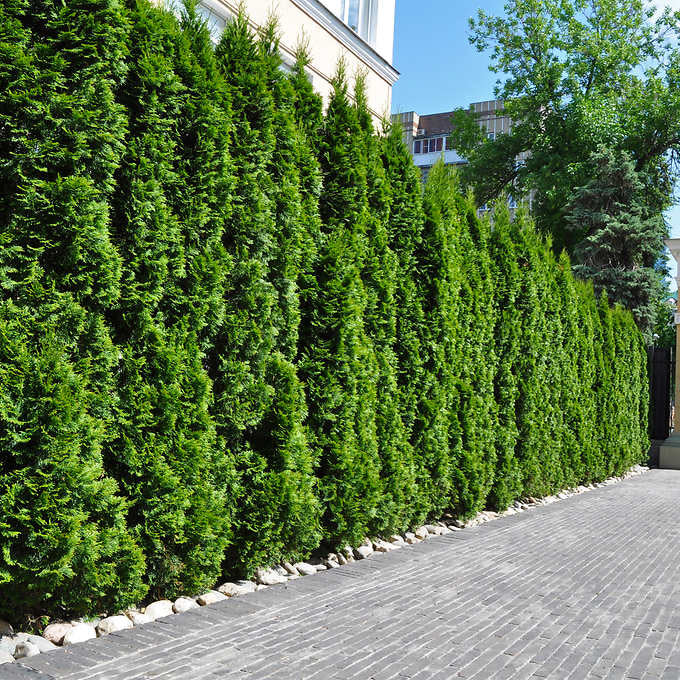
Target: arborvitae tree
x=405 y=234
x=165 y=449
x=507 y=485
x=574 y=378
x=474 y=469
x=587 y=426
x=66 y=549
x=308 y=113
x=531 y=362
x=438 y=436
x=380 y=274
x=606 y=398
x=63 y=525
x=203 y=191
x=340 y=367
x=278 y=509
x=308 y=104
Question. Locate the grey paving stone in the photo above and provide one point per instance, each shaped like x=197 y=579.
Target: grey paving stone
x=588 y=587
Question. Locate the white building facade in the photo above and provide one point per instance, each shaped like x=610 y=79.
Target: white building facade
x=359 y=31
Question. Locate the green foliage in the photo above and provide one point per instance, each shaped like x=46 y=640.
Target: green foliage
x=278 y=510
x=340 y=364
x=234 y=329
x=577 y=77
x=618 y=239
x=164 y=427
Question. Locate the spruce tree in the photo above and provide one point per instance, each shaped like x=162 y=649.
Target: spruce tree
x=618 y=235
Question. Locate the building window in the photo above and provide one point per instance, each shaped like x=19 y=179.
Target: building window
x=491 y=136
x=439 y=143
x=449 y=144
x=360 y=16
x=416 y=147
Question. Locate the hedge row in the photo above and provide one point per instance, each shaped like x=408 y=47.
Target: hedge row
x=234 y=329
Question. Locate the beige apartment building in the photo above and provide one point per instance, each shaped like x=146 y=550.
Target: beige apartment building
x=360 y=31
x=428 y=136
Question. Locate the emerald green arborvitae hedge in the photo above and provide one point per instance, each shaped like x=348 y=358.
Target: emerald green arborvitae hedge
x=235 y=329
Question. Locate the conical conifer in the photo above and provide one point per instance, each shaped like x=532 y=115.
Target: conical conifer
x=165 y=449
x=63 y=528
x=340 y=369
x=380 y=274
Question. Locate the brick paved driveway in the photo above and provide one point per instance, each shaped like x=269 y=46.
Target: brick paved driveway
x=588 y=587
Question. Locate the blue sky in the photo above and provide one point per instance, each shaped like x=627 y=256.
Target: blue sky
x=439 y=68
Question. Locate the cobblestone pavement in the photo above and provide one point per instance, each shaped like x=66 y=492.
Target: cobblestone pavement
x=588 y=587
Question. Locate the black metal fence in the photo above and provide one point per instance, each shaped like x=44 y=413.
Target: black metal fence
x=661 y=365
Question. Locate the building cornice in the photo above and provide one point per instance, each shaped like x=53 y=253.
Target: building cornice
x=348 y=38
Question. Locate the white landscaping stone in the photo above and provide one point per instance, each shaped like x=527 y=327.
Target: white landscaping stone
x=433 y=529
x=290 y=568
x=367 y=542
x=183 y=604
x=40 y=642
x=6 y=657
x=268 y=577
x=281 y=571
x=137 y=618
x=80 y=632
x=159 y=609
x=237 y=589
x=422 y=533
x=342 y=560
x=383 y=546
x=305 y=568
x=7 y=645
x=6 y=628
x=260 y=586
x=112 y=624
x=55 y=632
x=25 y=650
x=210 y=597
x=363 y=551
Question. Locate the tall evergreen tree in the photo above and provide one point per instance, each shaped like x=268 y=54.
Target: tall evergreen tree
x=618 y=236
x=438 y=435
x=278 y=509
x=165 y=449
x=405 y=233
x=380 y=274
x=476 y=463
x=340 y=368
x=507 y=485
x=63 y=524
